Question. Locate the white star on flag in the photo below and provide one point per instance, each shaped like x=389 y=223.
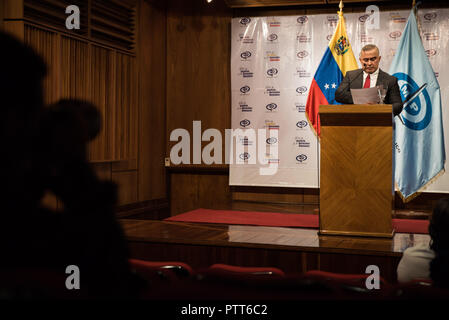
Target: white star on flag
x=326 y=86
x=334 y=85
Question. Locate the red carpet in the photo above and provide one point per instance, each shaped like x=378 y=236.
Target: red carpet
x=274 y=219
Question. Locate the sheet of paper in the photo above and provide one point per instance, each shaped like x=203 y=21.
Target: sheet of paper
x=363 y=96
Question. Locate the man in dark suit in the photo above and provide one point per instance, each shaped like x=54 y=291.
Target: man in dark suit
x=370 y=76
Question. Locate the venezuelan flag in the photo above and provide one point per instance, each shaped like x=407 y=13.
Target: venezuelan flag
x=337 y=60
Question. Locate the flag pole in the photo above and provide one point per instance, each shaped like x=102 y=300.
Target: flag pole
x=341 y=7
x=415 y=11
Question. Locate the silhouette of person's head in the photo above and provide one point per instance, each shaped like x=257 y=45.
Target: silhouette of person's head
x=44 y=149
x=21 y=75
x=439 y=233
x=68 y=126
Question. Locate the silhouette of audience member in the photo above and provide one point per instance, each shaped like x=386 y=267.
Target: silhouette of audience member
x=439 y=233
x=44 y=149
x=430 y=261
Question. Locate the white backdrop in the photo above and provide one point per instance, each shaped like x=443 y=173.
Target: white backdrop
x=273 y=61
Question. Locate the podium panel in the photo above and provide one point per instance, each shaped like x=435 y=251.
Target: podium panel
x=356 y=170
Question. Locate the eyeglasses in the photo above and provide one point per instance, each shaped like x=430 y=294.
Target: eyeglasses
x=370 y=59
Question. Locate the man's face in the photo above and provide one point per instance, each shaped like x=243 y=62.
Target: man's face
x=370 y=60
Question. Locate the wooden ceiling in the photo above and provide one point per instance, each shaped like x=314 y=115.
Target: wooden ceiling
x=275 y=3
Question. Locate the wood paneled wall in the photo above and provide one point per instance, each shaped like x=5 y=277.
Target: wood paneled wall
x=151 y=52
x=198 y=65
x=88 y=65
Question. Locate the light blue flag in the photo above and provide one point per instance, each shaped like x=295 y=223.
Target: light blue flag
x=418 y=135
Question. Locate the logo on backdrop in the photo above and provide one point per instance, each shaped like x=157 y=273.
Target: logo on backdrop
x=364 y=18
x=244 y=123
x=244 y=156
x=272 y=37
x=395 y=35
x=272 y=72
x=301 y=158
x=301 y=124
x=302 y=54
x=245 y=21
x=301 y=90
x=245 y=55
x=431 y=16
x=271 y=106
x=431 y=52
x=302 y=19
x=419 y=110
x=245 y=89
x=272 y=140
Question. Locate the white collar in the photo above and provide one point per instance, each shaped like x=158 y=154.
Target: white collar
x=373 y=75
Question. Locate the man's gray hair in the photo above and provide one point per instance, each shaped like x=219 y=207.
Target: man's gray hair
x=369 y=47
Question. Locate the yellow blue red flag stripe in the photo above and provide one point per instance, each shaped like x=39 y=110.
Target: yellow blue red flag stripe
x=337 y=60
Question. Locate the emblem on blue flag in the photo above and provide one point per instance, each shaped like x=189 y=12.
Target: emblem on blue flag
x=419 y=154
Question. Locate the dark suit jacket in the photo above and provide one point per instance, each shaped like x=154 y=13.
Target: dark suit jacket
x=354 y=79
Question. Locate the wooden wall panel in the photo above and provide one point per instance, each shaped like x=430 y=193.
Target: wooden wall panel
x=75 y=69
x=46 y=43
x=269 y=195
x=103 y=95
x=127 y=186
x=16 y=28
x=191 y=191
x=83 y=66
x=13 y=9
x=151 y=55
x=125 y=122
x=198 y=65
x=184 y=194
x=2 y=14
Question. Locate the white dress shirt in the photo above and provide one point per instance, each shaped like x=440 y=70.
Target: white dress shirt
x=415 y=263
x=373 y=78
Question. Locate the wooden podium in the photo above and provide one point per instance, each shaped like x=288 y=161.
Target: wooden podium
x=356 y=170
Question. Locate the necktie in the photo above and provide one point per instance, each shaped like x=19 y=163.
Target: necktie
x=367 y=82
